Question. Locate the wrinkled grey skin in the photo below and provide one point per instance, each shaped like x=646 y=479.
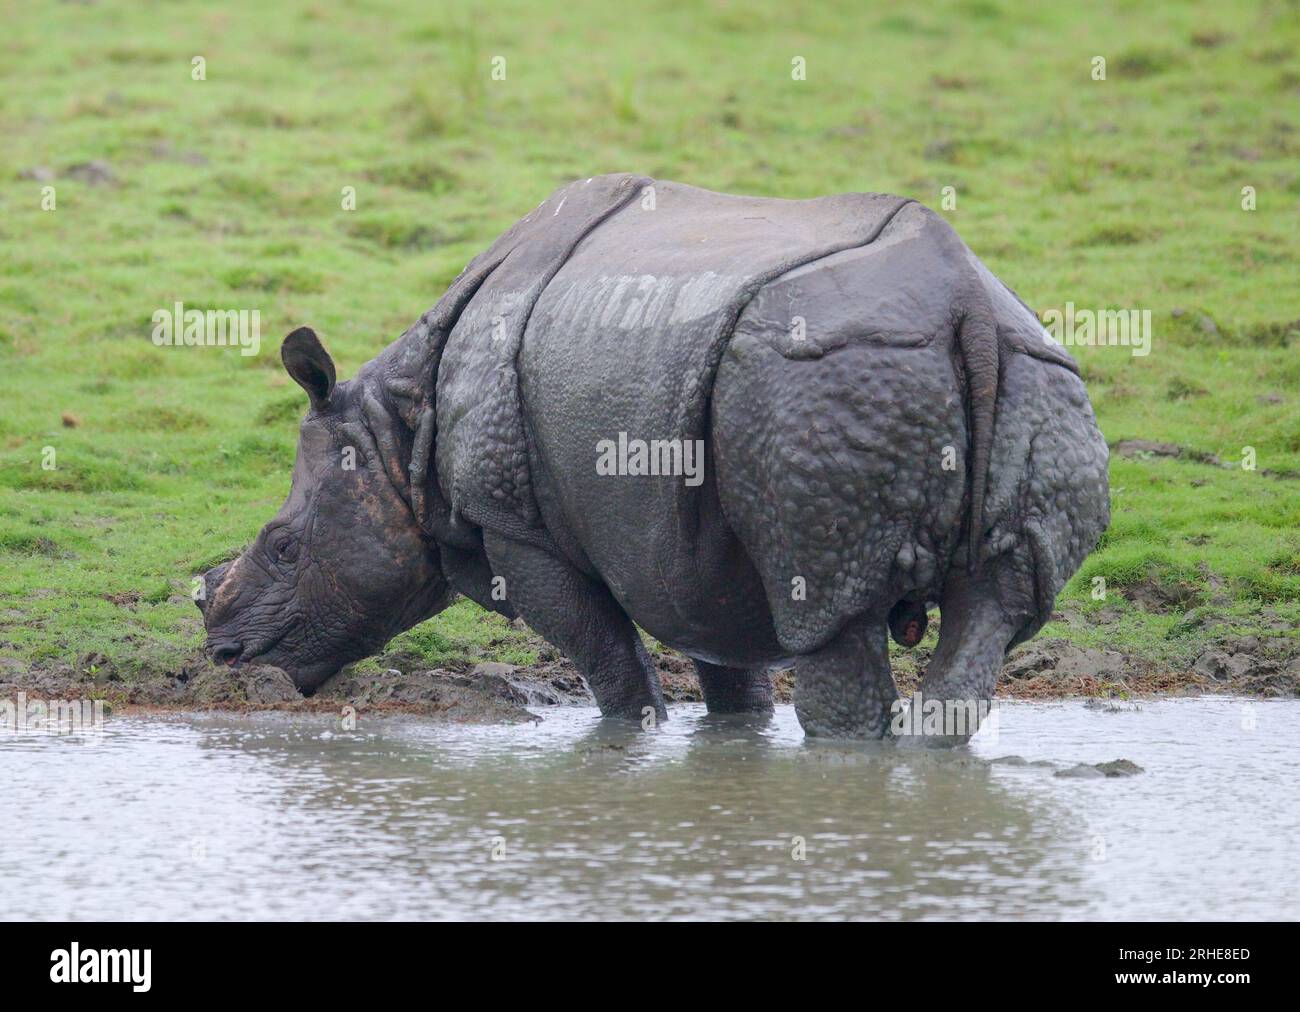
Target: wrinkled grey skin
x=884 y=428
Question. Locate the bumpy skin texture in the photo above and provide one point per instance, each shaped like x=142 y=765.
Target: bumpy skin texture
x=844 y=689
x=883 y=426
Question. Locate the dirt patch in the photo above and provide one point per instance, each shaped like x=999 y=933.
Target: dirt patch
x=491 y=692
x=1249 y=666
x=481 y=695
x=1146 y=449
x=95 y=173
x=1153 y=595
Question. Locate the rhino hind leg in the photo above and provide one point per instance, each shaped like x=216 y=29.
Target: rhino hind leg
x=580 y=616
x=735 y=690
x=956 y=692
x=846 y=689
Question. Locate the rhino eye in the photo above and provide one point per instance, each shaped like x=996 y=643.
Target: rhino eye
x=284 y=548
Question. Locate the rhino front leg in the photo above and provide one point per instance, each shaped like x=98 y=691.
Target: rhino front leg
x=735 y=690
x=845 y=689
x=580 y=616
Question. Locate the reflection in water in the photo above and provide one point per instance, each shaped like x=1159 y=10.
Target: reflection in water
x=288 y=816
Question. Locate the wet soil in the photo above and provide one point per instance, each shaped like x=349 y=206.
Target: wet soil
x=493 y=692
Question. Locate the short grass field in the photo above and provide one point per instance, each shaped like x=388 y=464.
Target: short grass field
x=451 y=122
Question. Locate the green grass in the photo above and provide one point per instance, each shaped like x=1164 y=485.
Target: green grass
x=226 y=193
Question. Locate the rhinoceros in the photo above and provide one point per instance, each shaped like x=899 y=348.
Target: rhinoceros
x=768 y=432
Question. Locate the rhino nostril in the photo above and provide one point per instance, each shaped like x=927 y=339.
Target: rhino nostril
x=227 y=653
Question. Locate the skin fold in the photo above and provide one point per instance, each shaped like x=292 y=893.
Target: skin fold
x=875 y=424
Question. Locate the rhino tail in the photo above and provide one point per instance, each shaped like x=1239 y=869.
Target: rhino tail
x=977 y=343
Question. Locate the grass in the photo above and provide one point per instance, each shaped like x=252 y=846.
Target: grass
x=228 y=193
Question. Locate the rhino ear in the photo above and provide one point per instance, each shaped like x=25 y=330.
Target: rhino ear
x=310 y=365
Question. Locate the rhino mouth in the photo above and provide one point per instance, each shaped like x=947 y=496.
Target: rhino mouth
x=234 y=654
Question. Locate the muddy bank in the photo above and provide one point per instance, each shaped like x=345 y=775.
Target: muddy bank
x=488 y=692
x=493 y=692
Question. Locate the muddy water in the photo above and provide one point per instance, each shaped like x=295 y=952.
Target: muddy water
x=290 y=817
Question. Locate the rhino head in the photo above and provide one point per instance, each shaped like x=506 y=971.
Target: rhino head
x=346 y=563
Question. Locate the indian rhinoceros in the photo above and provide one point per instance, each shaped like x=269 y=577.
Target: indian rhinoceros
x=765 y=431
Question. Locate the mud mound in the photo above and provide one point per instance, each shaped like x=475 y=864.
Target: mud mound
x=489 y=694
x=1247 y=666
